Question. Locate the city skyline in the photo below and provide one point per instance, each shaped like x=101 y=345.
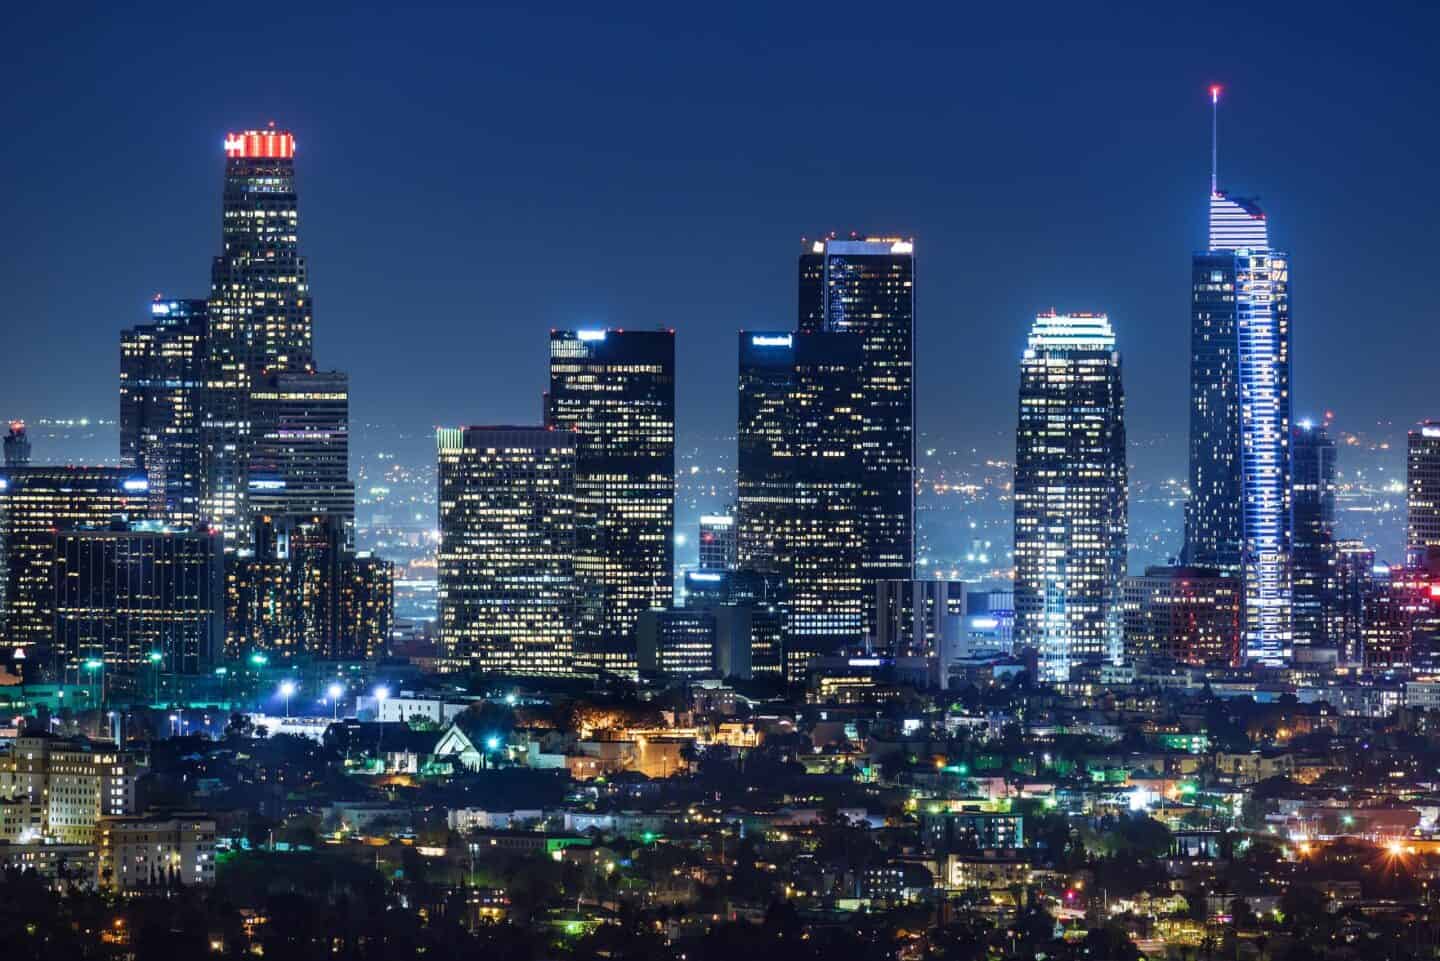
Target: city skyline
x=990 y=263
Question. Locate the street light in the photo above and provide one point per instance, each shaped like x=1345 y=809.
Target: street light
x=155 y=657
x=287 y=688
x=336 y=692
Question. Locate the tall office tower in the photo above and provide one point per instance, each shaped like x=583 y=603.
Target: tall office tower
x=1422 y=474
x=17 y=445
x=285 y=589
x=162 y=375
x=35 y=503
x=800 y=483
x=367 y=607
x=507 y=557
x=1316 y=575
x=616 y=390
x=1355 y=567
x=718 y=544
x=867 y=287
x=914 y=617
x=1185 y=614
x=1070 y=494
x=260 y=320
x=258 y=616
x=1391 y=607
x=1238 y=518
x=300 y=448
x=132 y=590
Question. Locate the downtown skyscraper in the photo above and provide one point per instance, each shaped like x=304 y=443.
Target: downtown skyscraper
x=1422 y=481
x=224 y=409
x=1238 y=517
x=801 y=486
x=259 y=310
x=1070 y=494
x=615 y=389
x=162 y=379
x=1316 y=559
x=867 y=287
x=506 y=560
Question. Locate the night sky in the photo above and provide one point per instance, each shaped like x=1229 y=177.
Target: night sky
x=470 y=179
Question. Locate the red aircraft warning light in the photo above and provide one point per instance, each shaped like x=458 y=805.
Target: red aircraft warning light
x=260 y=144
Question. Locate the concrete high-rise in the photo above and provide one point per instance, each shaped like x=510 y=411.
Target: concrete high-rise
x=867 y=287
x=162 y=377
x=615 y=390
x=507 y=556
x=1185 y=614
x=1070 y=494
x=1238 y=517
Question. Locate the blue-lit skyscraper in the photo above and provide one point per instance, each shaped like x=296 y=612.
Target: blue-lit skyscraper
x=1238 y=518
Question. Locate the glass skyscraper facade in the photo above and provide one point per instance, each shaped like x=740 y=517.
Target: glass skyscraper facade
x=1422 y=477
x=128 y=591
x=867 y=287
x=1316 y=597
x=800 y=485
x=1238 y=518
x=162 y=375
x=1070 y=494
x=615 y=389
x=36 y=503
x=507 y=556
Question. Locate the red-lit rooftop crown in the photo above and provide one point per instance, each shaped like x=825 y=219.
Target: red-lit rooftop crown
x=260 y=144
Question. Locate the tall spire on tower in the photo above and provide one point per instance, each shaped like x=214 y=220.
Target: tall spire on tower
x=1214 y=138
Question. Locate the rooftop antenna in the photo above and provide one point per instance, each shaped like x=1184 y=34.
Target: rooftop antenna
x=1214 y=138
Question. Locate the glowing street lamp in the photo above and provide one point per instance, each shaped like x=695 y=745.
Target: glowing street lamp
x=287 y=688
x=155 y=657
x=336 y=692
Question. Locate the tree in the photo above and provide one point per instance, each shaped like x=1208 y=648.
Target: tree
x=1241 y=914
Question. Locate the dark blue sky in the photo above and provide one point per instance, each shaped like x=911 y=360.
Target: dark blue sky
x=471 y=178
